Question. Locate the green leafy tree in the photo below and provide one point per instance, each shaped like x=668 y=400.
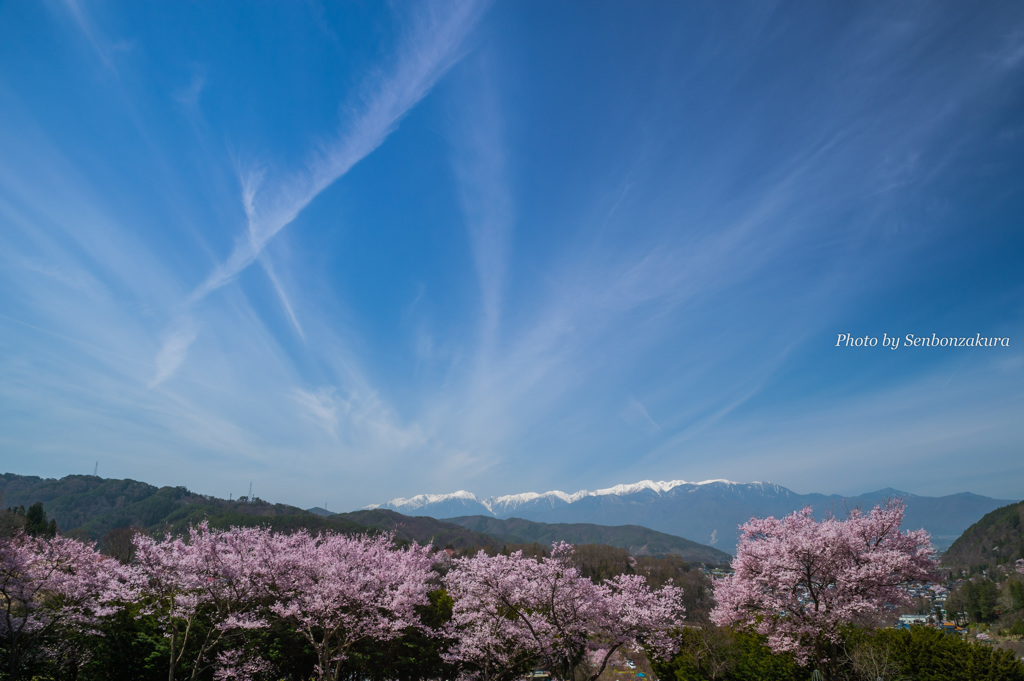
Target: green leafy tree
x=928 y=654
x=711 y=653
x=33 y=522
x=1015 y=591
x=36 y=523
x=977 y=598
x=130 y=648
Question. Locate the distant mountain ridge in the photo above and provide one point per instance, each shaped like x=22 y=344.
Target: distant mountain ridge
x=499 y=506
x=707 y=512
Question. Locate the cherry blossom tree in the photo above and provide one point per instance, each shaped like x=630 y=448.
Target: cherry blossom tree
x=50 y=588
x=514 y=611
x=798 y=581
x=339 y=590
x=491 y=622
x=217 y=579
x=166 y=591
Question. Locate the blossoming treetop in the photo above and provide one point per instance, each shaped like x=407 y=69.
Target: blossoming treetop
x=797 y=581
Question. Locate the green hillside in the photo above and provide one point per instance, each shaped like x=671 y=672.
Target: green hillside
x=996 y=539
x=420 y=529
x=639 y=541
x=89 y=507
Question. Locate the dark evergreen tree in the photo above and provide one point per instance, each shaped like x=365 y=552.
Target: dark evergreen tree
x=36 y=523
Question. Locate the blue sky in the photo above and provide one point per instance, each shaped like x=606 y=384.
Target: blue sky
x=355 y=251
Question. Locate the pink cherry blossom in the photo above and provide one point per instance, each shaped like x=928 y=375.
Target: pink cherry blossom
x=797 y=581
x=513 y=611
x=217 y=575
x=48 y=587
x=339 y=590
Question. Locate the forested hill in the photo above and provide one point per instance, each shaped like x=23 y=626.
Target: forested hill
x=89 y=507
x=640 y=541
x=996 y=539
x=439 y=532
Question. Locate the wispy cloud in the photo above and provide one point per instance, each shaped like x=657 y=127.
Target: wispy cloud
x=433 y=44
x=177 y=339
x=360 y=420
x=103 y=49
x=250 y=184
x=1012 y=52
x=431 y=48
x=636 y=414
x=485 y=196
x=319 y=405
x=70 y=275
x=188 y=97
x=286 y=302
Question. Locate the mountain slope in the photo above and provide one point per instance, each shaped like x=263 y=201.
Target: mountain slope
x=89 y=506
x=996 y=539
x=420 y=529
x=639 y=541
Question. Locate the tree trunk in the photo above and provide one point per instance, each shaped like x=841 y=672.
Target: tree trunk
x=327 y=670
x=826 y=661
x=604 y=663
x=173 y=664
x=13 y=662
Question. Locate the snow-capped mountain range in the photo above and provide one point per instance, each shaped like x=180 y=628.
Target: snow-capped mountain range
x=708 y=512
x=499 y=506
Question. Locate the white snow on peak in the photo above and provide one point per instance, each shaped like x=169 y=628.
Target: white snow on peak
x=421 y=500
x=511 y=501
x=658 y=487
